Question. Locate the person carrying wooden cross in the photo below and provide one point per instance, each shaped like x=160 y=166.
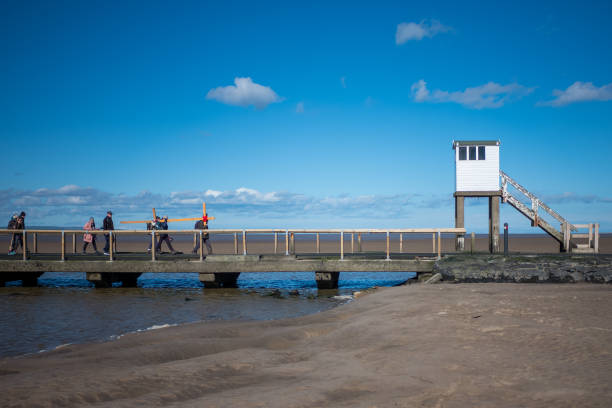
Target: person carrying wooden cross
x=203 y=225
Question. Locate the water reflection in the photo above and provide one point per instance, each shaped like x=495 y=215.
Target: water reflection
x=66 y=308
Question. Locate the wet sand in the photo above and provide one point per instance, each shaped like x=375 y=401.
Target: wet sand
x=445 y=345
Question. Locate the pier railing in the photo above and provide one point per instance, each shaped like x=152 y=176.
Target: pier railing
x=288 y=235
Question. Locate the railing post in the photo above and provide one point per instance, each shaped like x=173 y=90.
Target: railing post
x=35 y=243
x=352 y=243
x=341 y=245
x=473 y=242
x=590 y=235
x=235 y=243
x=433 y=243
x=534 y=208
x=318 y=244
x=359 y=241
x=292 y=248
x=195 y=237
x=152 y=245
x=73 y=243
x=201 y=247
x=596 y=239
x=439 y=245
x=244 y=244
x=25 y=245
x=286 y=242
x=388 y=249
x=401 y=242
x=63 y=258
x=110 y=247
x=275 y=243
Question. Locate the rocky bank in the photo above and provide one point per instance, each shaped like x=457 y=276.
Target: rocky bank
x=525 y=268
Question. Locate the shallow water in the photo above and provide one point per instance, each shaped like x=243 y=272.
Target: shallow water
x=66 y=308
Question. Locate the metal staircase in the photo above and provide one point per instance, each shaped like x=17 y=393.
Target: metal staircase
x=566 y=235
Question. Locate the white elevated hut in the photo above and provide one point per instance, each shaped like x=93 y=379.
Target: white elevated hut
x=476 y=166
x=477 y=175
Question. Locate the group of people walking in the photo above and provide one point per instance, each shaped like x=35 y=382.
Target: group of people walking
x=17 y=222
x=107 y=225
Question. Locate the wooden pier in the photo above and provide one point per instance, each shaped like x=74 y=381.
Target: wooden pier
x=222 y=270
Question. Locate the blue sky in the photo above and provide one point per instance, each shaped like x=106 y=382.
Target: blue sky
x=324 y=115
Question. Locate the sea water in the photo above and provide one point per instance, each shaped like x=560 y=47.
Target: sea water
x=66 y=309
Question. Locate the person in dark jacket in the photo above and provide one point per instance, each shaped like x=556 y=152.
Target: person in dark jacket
x=11 y=225
x=107 y=225
x=163 y=225
x=18 y=237
x=203 y=225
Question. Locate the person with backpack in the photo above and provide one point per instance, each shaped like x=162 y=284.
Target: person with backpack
x=17 y=239
x=203 y=225
x=151 y=226
x=11 y=225
x=163 y=225
x=90 y=238
x=107 y=225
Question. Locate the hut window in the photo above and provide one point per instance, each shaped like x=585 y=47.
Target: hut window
x=462 y=153
x=481 y=153
x=472 y=152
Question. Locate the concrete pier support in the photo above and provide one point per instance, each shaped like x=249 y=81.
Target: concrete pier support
x=327 y=280
x=494 y=224
x=459 y=223
x=218 y=280
x=106 y=280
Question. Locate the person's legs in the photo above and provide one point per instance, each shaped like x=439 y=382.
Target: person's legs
x=107 y=245
x=169 y=244
x=85 y=246
x=208 y=246
x=18 y=242
x=197 y=245
x=93 y=243
x=12 y=243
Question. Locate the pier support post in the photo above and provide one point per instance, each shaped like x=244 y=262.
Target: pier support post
x=218 y=280
x=459 y=223
x=106 y=279
x=493 y=224
x=327 y=280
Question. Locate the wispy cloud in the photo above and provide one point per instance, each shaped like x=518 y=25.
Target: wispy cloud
x=486 y=96
x=569 y=197
x=245 y=92
x=580 y=92
x=343 y=81
x=299 y=108
x=417 y=31
x=71 y=205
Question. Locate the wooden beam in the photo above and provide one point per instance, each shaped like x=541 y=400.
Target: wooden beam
x=169 y=220
x=110 y=248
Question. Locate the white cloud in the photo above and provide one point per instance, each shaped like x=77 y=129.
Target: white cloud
x=489 y=95
x=245 y=92
x=417 y=31
x=580 y=92
x=343 y=81
x=299 y=108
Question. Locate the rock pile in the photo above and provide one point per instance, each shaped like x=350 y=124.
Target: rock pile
x=525 y=268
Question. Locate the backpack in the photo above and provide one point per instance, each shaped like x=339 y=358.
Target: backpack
x=12 y=223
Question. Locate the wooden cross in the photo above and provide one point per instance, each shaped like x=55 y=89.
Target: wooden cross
x=204 y=217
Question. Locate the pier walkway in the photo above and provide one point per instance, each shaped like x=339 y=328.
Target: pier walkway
x=220 y=270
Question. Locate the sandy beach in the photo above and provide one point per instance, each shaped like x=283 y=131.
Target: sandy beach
x=444 y=345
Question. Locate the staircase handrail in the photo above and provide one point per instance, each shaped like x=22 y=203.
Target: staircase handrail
x=539 y=203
